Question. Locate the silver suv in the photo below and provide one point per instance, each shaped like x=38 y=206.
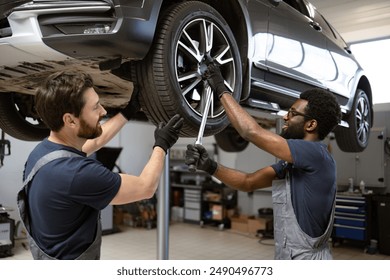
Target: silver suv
x=269 y=51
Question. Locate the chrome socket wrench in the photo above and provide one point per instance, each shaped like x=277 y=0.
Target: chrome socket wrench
x=199 y=139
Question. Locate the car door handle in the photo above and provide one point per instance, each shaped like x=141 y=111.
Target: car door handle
x=316 y=26
x=348 y=50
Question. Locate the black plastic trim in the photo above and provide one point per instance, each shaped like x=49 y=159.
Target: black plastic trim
x=131 y=37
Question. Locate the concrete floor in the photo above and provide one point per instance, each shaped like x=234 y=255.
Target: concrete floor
x=192 y=242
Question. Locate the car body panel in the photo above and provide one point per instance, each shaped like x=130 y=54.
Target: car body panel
x=285 y=47
x=136 y=21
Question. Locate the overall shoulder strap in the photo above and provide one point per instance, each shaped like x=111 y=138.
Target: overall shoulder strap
x=22 y=199
x=46 y=159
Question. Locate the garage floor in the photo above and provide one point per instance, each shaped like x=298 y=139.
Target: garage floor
x=189 y=241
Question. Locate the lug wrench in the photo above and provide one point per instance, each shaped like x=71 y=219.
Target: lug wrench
x=199 y=139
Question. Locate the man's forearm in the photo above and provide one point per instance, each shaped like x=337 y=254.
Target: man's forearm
x=232 y=178
x=239 y=118
x=134 y=188
x=251 y=131
x=246 y=182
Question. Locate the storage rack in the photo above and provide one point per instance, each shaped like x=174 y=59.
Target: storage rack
x=217 y=200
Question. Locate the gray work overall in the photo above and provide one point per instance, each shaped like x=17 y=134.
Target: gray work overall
x=290 y=241
x=92 y=252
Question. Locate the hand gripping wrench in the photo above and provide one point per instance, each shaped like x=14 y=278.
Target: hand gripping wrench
x=199 y=139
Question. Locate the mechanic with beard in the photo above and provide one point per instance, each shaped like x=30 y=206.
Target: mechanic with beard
x=303 y=181
x=64 y=190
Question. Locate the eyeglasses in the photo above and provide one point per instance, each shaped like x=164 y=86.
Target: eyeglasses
x=292 y=113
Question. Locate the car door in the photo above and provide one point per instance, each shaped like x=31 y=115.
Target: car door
x=296 y=48
x=344 y=62
x=257 y=16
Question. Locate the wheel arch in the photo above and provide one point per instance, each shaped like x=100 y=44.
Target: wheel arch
x=364 y=84
x=237 y=18
x=344 y=135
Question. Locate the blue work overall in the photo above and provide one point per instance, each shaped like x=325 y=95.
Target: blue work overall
x=290 y=241
x=91 y=253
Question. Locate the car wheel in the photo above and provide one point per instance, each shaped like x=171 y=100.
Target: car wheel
x=14 y=110
x=230 y=141
x=355 y=138
x=172 y=77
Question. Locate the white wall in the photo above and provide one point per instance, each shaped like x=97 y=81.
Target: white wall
x=382 y=119
x=250 y=160
x=11 y=173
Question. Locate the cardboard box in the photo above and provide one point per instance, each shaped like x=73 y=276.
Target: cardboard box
x=118 y=216
x=239 y=223
x=217 y=212
x=230 y=213
x=210 y=196
x=255 y=224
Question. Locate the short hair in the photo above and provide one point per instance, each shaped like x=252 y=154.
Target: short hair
x=62 y=92
x=324 y=108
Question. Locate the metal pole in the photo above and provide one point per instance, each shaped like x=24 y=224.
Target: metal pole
x=278 y=130
x=163 y=213
x=279 y=125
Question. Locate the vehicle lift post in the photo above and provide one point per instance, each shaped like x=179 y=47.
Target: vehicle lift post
x=163 y=213
x=163 y=190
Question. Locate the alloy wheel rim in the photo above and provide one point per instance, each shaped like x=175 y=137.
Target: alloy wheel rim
x=202 y=42
x=362 y=120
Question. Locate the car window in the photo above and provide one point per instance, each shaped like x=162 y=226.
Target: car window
x=297 y=5
x=316 y=16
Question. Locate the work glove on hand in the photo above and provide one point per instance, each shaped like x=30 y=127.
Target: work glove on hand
x=216 y=81
x=165 y=136
x=198 y=156
x=132 y=107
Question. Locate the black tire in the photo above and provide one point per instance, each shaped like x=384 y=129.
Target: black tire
x=171 y=78
x=14 y=120
x=230 y=141
x=355 y=138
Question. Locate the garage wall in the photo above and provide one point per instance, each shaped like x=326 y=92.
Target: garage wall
x=11 y=173
x=371 y=164
x=250 y=160
x=382 y=119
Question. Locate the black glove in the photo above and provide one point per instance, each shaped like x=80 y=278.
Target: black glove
x=198 y=156
x=132 y=107
x=216 y=81
x=165 y=136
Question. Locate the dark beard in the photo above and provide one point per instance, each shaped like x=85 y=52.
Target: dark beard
x=295 y=131
x=89 y=132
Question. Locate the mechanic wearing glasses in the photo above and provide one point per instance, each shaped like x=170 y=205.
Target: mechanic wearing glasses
x=303 y=181
x=64 y=190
